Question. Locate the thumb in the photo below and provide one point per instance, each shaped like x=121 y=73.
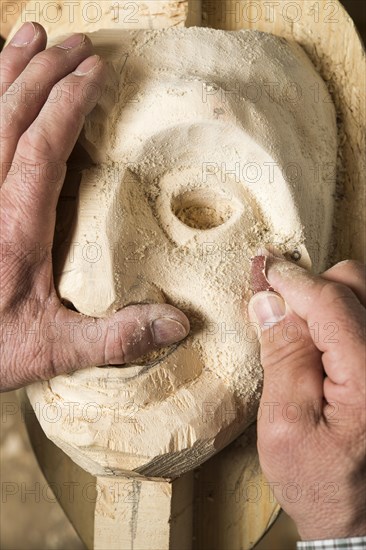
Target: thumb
x=293 y=372
x=124 y=337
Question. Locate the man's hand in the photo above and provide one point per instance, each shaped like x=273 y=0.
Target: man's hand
x=44 y=102
x=311 y=424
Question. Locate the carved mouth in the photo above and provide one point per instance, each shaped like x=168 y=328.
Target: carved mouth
x=144 y=363
x=154 y=357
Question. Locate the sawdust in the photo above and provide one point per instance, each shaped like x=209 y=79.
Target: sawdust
x=191 y=177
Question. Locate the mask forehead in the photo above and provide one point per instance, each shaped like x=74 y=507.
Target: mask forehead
x=253 y=81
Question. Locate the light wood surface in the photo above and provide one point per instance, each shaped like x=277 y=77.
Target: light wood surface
x=222 y=517
x=224 y=504
x=234 y=505
x=68 y=16
x=116 y=513
x=328 y=35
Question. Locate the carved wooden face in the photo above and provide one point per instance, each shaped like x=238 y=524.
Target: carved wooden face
x=208 y=145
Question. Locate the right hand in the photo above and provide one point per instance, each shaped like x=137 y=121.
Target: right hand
x=311 y=426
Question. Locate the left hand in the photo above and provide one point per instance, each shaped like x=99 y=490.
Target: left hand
x=43 y=106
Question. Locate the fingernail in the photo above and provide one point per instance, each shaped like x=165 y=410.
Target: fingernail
x=87 y=66
x=72 y=41
x=267 y=308
x=24 y=36
x=167 y=331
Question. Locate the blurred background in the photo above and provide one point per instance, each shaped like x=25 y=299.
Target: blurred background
x=357 y=10
x=28 y=522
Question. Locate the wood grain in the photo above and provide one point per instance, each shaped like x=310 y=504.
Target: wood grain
x=223 y=518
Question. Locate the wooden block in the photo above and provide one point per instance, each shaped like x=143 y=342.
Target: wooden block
x=119 y=512
x=234 y=505
x=66 y=17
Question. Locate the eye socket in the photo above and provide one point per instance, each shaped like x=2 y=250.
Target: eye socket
x=202 y=209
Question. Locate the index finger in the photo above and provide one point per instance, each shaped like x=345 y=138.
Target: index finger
x=39 y=166
x=27 y=42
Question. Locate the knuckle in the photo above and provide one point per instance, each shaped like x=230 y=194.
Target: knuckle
x=5 y=59
x=7 y=67
x=277 y=437
x=8 y=130
x=34 y=145
x=41 y=365
x=351 y=265
x=11 y=118
x=292 y=354
x=357 y=266
x=284 y=348
x=353 y=330
x=342 y=306
x=333 y=292
x=348 y=271
x=43 y=61
x=351 y=276
x=65 y=92
x=115 y=345
x=70 y=95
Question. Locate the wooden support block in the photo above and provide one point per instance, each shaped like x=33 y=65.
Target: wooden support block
x=119 y=512
x=234 y=505
x=136 y=513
